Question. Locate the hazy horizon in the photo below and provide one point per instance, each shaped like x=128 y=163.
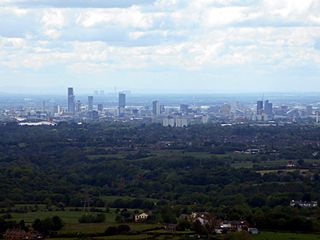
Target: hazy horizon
x=86 y=92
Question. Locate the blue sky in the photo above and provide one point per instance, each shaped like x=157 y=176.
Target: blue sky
x=174 y=46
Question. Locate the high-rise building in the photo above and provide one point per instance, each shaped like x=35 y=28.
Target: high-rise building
x=155 y=108
x=71 y=99
x=78 y=106
x=162 y=108
x=259 y=107
x=309 y=110
x=122 y=100
x=268 y=108
x=90 y=103
x=44 y=106
x=100 y=107
x=57 y=109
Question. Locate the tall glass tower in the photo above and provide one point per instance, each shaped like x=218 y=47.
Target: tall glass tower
x=71 y=99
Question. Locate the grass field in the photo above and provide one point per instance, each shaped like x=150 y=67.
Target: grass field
x=70 y=218
x=286 y=236
x=261 y=236
x=127 y=237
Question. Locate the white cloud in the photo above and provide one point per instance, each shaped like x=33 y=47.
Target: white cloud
x=168 y=35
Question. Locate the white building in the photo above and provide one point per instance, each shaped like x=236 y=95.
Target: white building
x=175 y=122
x=141 y=217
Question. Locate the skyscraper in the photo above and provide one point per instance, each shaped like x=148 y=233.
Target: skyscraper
x=155 y=108
x=100 y=107
x=122 y=100
x=71 y=103
x=90 y=103
x=259 y=107
x=268 y=108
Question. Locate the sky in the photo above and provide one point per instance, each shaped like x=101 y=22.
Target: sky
x=160 y=46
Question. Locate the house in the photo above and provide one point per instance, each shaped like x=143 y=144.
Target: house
x=233 y=226
x=291 y=164
x=141 y=217
x=203 y=217
x=312 y=204
x=253 y=231
x=18 y=234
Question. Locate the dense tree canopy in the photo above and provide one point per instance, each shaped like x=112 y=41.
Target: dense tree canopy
x=203 y=167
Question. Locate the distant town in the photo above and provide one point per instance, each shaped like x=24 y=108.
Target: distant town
x=95 y=108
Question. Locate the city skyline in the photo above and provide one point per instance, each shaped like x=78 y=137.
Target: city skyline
x=205 y=46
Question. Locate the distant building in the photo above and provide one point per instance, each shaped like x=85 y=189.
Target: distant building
x=122 y=100
x=141 y=217
x=57 y=109
x=204 y=119
x=181 y=122
x=259 y=107
x=184 y=109
x=90 y=103
x=253 y=231
x=156 y=108
x=168 y=122
x=203 y=217
x=100 y=107
x=162 y=108
x=78 y=106
x=175 y=122
x=268 y=108
x=93 y=115
x=311 y=204
x=309 y=110
x=225 y=109
x=71 y=101
x=17 y=234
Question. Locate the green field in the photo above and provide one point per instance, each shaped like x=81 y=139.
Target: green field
x=286 y=236
x=70 y=218
x=129 y=237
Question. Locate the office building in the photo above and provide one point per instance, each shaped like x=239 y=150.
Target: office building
x=156 y=108
x=122 y=100
x=90 y=103
x=162 y=109
x=268 y=108
x=100 y=107
x=259 y=107
x=71 y=99
x=57 y=109
x=78 y=106
x=309 y=110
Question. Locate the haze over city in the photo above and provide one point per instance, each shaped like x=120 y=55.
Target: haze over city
x=160 y=46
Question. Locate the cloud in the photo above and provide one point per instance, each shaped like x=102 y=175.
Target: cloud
x=159 y=36
x=74 y=3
